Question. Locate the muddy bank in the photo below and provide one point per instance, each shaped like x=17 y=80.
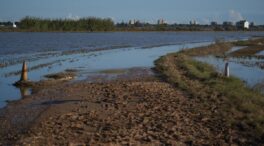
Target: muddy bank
x=240 y=107
x=139 y=111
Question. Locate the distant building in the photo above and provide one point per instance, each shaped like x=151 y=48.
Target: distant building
x=251 y=24
x=14 y=25
x=228 y=26
x=213 y=23
x=242 y=24
x=137 y=23
x=227 y=23
x=132 y=22
x=193 y=22
x=161 y=21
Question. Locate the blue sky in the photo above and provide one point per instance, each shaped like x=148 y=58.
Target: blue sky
x=179 y=11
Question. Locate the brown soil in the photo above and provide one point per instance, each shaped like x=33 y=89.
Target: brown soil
x=137 y=111
x=217 y=49
x=61 y=76
x=251 y=50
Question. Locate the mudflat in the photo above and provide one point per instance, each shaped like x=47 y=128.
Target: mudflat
x=124 y=111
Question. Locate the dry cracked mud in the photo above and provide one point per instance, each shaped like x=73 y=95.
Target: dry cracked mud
x=122 y=112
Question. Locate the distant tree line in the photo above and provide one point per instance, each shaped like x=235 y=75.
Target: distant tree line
x=9 y=23
x=91 y=24
x=141 y=26
x=83 y=24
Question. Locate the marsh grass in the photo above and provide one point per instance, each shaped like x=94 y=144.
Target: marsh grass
x=217 y=49
x=251 y=42
x=253 y=47
x=243 y=43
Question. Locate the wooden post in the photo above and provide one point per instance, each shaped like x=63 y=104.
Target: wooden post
x=24 y=76
x=227 y=69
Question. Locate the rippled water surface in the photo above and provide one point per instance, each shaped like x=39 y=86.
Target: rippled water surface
x=37 y=42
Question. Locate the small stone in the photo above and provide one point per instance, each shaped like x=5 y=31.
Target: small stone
x=146 y=120
x=205 y=119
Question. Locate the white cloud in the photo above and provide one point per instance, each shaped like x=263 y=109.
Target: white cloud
x=235 y=16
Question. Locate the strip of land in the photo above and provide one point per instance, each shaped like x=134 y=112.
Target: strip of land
x=239 y=106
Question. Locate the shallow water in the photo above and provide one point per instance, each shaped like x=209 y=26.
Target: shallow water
x=86 y=63
x=252 y=75
x=144 y=49
x=260 y=53
x=24 y=42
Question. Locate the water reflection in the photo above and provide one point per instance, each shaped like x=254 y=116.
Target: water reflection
x=24 y=91
x=252 y=75
x=260 y=53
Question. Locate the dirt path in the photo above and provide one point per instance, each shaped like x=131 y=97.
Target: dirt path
x=143 y=111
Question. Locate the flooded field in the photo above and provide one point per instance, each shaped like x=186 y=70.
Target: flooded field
x=87 y=64
x=245 y=62
x=241 y=68
x=91 y=54
x=19 y=43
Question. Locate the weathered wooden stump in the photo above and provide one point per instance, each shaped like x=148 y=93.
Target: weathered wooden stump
x=226 y=69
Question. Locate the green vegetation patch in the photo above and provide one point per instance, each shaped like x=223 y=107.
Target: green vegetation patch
x=242 y=43
x=251 y=42
x=83 y=24
x=217 y=49
x=197 y=70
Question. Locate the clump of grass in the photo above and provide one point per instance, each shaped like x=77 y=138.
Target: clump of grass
x=242 y=43
x=61 y=76
x=164 y=65
x=252 y=42
x=197 y=70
